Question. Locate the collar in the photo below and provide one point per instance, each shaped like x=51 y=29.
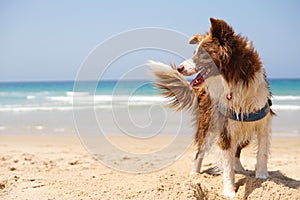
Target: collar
x=250 y=117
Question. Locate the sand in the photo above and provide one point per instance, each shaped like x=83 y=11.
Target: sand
x=59 y=167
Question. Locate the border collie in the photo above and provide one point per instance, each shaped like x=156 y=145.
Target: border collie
x=229 y=98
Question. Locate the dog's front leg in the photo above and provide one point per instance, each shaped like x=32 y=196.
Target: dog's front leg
x=227 y=153
x=228 y=172
x=262 y=154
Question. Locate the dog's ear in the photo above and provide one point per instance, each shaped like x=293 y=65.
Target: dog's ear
x=220 y=30
x=196 y=39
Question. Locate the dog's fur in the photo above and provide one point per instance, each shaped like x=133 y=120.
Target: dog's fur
x=236 y=82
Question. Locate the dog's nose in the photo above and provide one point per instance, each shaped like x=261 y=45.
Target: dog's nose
x=180 y=68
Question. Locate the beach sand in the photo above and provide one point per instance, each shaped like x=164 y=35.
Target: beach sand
x=59 y=167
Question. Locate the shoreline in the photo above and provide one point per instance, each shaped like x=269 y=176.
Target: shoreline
x=43 y=132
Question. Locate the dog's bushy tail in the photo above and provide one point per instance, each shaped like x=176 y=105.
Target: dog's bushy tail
x=174 y=87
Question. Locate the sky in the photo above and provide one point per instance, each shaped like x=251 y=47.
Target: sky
x=49 y=40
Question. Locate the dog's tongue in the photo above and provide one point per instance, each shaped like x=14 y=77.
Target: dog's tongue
x=197 y=81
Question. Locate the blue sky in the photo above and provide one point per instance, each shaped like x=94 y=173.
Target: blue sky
x=48 y=40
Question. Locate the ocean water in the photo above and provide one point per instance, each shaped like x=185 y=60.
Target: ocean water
x=47 y=107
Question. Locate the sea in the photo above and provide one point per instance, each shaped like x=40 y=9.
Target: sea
x=60 y=107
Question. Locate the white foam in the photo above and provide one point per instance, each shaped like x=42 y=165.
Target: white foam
x=30 y=97
x=102 y=98
x=61 y=98
x=24 y=94
x=31 y=109
x=71 y=94
x=147 y=98
x=285 y=107
x=99 y=98
x=288 y=97
x=107 y=98
x=114 y=105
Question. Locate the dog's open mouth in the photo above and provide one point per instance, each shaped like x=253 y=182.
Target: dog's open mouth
x=204 y=73
x=197 y=81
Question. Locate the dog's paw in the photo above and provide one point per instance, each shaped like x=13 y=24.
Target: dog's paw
x=261 y=174
x=193 y=173
x=229 y=193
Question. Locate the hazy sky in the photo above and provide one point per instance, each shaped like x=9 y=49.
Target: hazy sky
x=48 y=40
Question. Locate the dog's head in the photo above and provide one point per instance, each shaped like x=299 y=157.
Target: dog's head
x=213 y=53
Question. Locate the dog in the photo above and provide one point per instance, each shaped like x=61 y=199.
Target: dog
x=229 y=98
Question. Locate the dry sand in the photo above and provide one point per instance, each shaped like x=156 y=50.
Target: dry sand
x=59 y=167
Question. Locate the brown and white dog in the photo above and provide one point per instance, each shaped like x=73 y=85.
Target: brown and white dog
x=230 y=97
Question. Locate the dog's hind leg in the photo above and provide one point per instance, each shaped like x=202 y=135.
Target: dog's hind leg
x=198 y=161
x=237 y=162
x=238 y=167
x=201 y=136
x=202 y=147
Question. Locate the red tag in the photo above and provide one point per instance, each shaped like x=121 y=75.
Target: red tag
x=229 y=96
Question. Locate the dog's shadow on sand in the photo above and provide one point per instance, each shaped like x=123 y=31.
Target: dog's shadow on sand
x=251 y=182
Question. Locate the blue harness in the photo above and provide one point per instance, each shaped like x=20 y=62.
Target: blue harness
x=250 y=117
